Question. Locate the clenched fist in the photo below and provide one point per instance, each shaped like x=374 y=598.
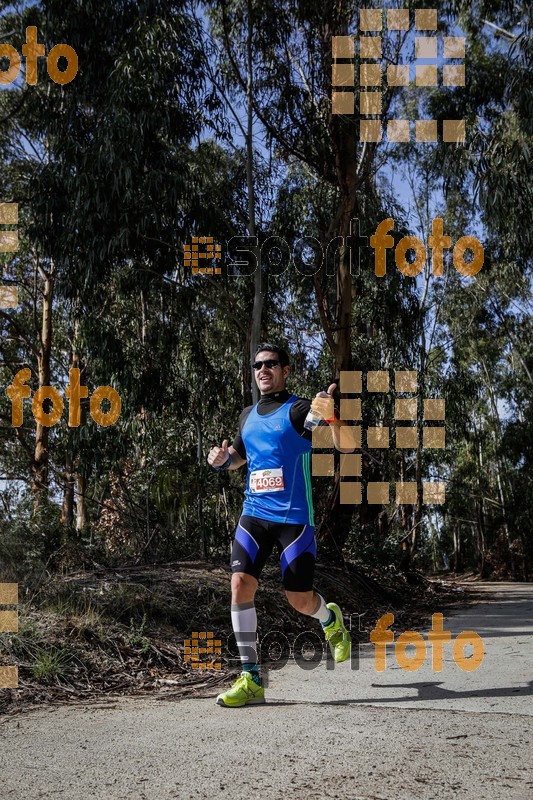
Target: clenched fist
x=218 y=455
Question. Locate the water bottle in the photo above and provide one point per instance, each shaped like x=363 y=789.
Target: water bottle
x=310 y=421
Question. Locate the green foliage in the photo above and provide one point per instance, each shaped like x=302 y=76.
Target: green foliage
x=116 y=171
x=136 y=637
x=53 y=665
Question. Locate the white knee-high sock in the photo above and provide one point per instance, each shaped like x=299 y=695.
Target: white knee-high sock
x=244 y=621
x=323 y=613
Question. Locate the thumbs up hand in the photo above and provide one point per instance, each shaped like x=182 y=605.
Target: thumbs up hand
x=218 y=455
x=323 y=405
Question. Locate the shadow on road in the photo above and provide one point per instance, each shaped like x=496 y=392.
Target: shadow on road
x=425 y=692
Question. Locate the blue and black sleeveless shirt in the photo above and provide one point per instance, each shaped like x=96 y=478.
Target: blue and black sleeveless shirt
x=277 y=448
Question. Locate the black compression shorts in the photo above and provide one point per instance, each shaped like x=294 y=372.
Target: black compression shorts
x=255 y=539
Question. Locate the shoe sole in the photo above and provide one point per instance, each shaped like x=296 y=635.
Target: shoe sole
x=256 y=701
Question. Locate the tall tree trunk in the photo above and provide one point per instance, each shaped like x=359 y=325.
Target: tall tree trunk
x=418 y=510
x=67 y=511
x=434 y=537
x=140 y=447
x=81 y=502
x=496 y=437
x=201 y=469
x=481 y=507
x=257 y=311
x=80 y=480
x=200 y=458
x=457 y=559
x=41 y=456
x=337 y=320
x=480 y=539
x=248 y=381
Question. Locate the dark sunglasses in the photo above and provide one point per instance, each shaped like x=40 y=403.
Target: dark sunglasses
x=270 y=363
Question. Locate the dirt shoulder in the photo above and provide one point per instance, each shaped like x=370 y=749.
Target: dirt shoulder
x=89 y=635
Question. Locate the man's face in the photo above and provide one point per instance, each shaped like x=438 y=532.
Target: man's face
x=273 y=379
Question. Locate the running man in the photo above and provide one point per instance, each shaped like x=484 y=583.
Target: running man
x=278 y=510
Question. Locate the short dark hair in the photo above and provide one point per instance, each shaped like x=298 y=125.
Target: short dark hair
x=273 y=348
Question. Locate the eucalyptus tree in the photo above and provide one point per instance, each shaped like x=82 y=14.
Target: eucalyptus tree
x=104 y=171
x=326 y=188
x=498 y=102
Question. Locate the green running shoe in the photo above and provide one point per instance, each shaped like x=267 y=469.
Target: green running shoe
x=244 y=692
x=337 y=636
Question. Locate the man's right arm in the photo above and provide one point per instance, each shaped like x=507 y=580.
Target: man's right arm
x=236 y=460
x=218 y=456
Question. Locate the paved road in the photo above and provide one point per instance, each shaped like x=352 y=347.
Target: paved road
x=355 y=734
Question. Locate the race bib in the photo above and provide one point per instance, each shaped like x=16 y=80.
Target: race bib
x=266 y=480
